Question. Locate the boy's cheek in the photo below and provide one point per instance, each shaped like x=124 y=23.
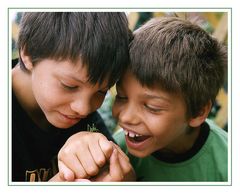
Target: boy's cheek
x=115 y=110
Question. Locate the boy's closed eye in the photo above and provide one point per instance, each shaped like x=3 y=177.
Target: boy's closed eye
x=68 y=86
x=120 y=94
x=152 y=109
x=120 y=97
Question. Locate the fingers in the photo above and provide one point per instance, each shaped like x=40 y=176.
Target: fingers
x=57 y=178
x=70 y=167
x=121 y=152
x=88 y=163
x=127 y=169
x=96 y=153
x=65 y=173
x=100 y=154
x=106 y=147
x=83 y=155
x=115 y=170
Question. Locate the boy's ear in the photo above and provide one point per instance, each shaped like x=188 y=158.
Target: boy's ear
x=26 y=60
x=198 y=120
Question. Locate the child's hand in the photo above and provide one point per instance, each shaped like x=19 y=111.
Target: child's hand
x=118 y=169
x=83 y=155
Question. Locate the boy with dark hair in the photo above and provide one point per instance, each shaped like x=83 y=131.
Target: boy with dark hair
x=67 y=62
x=176 y=72
x=163 y=100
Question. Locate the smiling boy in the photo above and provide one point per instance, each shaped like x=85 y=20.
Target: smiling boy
x=67 y=62
x=163 y=101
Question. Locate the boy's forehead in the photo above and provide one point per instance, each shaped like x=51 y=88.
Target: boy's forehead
x=129 y=80
x=79 y=72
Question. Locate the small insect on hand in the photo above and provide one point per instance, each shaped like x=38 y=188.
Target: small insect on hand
x=92 y=128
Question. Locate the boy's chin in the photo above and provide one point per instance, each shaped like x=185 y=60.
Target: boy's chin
x=61 y=121
x=59 y=125
x=139 y=154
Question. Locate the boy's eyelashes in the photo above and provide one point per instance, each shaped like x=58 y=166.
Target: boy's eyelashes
x=118 y=97
x=147 y=107
x=68 y=87
x=72 y=87
x=151 y=109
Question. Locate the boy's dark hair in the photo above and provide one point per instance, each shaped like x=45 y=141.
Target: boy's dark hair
x=99 y=39
x=181 y=58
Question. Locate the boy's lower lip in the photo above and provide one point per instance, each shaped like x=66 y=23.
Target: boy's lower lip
x=136 y=145
x=69 y=120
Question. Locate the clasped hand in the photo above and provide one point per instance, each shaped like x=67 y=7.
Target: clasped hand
x=90 y=156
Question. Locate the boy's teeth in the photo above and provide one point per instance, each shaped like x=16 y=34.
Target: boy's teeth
x=135 y=137
x=131 y=134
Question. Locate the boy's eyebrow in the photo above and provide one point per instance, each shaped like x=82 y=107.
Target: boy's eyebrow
x=74 y=78
x=150 y=96
x=85 y=82
x=78 y=80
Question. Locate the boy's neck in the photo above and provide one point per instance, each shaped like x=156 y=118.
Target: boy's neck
x=170 y=156
x=22 y=87
x=184 y=144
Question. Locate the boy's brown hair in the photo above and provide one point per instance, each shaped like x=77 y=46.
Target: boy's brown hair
x=180 y=58
x=99 y=39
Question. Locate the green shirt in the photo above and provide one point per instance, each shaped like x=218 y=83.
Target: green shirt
x=210 y=163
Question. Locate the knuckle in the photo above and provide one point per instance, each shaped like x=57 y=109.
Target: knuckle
x=101 y=161
x=92 y=170
x=98 y=136
x=77 y=144
x=61 y=175
x=65 y=152
x=107 y=146
x=60 y=155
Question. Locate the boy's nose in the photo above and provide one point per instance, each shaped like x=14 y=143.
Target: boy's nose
x=82 y=107
x=129 y=115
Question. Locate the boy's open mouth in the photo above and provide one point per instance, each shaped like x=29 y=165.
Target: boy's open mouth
x=134 y=137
